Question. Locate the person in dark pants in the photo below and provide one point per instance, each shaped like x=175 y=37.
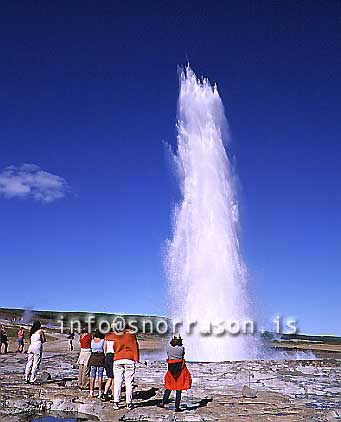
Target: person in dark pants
x=109 y=364
x=1 y=328
x=71 y=337
x=177 y=377
x=3 y=340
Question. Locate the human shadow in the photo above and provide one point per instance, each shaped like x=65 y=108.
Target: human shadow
x=201 y=403
x=145 y=394
x=156 y=402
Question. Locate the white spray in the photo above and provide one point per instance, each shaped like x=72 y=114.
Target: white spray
x=207 y=277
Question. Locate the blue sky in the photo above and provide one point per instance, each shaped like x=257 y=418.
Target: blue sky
x=88 y=94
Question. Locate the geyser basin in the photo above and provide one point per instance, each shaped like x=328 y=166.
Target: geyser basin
x=207 y=276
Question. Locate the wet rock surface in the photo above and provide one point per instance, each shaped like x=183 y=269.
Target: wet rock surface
x=285 y=391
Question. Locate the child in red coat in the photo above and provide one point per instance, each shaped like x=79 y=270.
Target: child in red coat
x=177 y=377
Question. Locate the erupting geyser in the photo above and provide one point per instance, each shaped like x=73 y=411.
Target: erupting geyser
x=207 y=276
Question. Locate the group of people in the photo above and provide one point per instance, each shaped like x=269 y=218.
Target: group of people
x=4 y=339
x=116 y=353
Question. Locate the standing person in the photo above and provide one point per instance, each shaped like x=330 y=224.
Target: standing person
x=21 y=335
x=109 y=364
x=71 y=337
x=4 y=339
x=177 y=377
x=83 y=358
x=35 y=351
x=96 y=362
x=127 y=354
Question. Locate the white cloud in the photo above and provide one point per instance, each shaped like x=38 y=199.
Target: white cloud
x=29 y=180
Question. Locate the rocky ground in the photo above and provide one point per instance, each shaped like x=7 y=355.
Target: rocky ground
x=286 y=391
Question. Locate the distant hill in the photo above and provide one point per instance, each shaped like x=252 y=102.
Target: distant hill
x=53 y=319
x=312 y=338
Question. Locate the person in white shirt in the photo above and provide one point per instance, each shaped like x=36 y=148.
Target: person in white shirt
x=35 y=351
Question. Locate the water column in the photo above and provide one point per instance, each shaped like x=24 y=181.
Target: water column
x=206 y=274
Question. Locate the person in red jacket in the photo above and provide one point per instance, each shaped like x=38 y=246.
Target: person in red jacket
x=126 y=355
x=21 y=335
x=177 y=377
x=83 y=359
